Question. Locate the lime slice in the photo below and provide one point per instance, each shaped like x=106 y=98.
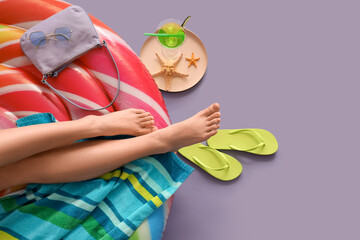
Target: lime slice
x=171 y=41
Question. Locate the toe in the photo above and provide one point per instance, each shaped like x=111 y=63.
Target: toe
x=211 y=133
x=213 y=127
x=215 y=107
x=148 y=118
x=139 y=111
x=214 y=121
x=144 y=131
x=214 y=115
x=147 y=123
x=145 y=114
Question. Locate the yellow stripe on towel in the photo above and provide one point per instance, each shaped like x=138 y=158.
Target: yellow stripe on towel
x=110 y=175
x=139 y=188
x=156 y=200
x=124 y=175
x=135 y=183
x=6 y=236
x=143 y=192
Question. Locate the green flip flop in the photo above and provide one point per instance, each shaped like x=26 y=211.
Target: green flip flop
x=253 y=140
x=217 y=164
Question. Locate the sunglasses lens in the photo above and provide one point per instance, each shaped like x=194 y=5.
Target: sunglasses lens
x=37 y=38
x=63 y=34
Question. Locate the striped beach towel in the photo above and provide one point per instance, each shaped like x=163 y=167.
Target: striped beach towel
x=111 y=206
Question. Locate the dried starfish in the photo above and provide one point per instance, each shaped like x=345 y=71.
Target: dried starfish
x=168 y=71
x=192 y=60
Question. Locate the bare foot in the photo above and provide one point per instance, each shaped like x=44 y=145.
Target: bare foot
x=193 y=130
x=134 y=122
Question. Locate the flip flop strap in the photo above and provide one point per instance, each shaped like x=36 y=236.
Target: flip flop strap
x=217 y=154
x=256 y=134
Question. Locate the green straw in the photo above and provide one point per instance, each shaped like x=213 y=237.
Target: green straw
x=162 y=35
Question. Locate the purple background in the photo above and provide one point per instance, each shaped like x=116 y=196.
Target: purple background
x=291 y=67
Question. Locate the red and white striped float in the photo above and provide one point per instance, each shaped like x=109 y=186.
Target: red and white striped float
x=90 y=81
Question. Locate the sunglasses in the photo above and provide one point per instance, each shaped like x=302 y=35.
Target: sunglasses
x=40 y=38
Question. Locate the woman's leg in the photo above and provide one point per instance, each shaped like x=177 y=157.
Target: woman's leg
x=19 y=143
x=86 y=160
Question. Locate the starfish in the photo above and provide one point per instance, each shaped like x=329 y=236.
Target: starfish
x=192 y=60
x=168 y=71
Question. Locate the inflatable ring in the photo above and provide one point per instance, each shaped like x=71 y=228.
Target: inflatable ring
x=90 y=81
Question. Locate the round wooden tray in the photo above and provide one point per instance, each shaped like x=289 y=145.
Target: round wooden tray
x=191 y=45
